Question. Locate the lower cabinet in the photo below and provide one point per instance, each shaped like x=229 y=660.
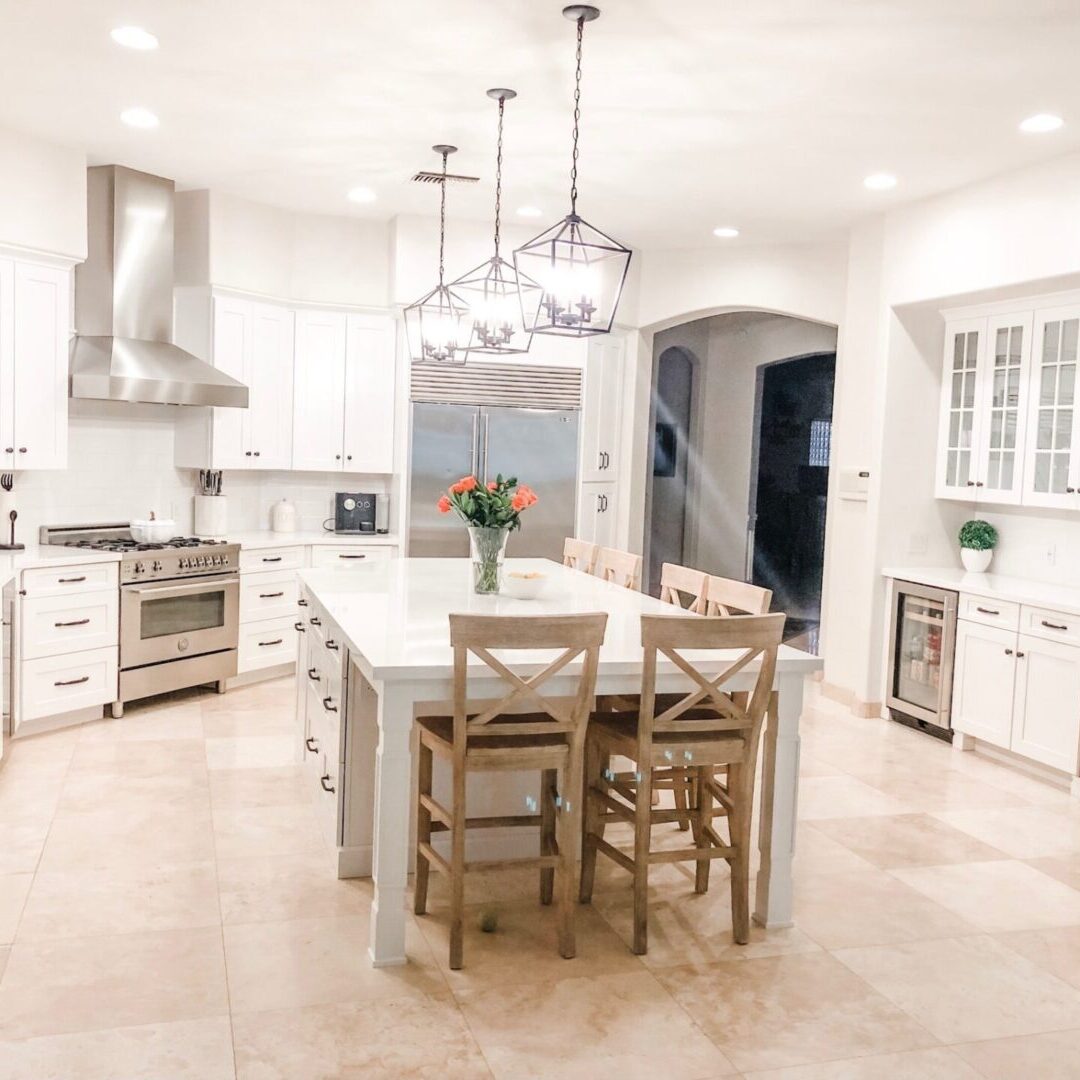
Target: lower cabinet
x=266 y=644
x=54 y=685
x=1020 y=692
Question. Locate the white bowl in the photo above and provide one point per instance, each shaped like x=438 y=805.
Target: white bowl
x=523 y=584
x=153 y=532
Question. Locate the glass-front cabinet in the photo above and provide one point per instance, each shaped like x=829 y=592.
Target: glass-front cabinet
x=960 y=412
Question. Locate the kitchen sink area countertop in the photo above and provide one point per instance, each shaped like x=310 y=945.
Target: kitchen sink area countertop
x=1040 y=594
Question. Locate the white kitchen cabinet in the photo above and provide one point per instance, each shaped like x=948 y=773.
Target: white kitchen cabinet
x=603 y=408
x=35 y=320
x=1046 y=712
x=252 y=342
x=319 y=391
x=984 y=679
x=370 y=391
x=596 y=513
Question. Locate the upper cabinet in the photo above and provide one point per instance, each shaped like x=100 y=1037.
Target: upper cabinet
x=603 y=408
x=319 y=417
x=35 y=320
x=370 y=394
x=1008 y=429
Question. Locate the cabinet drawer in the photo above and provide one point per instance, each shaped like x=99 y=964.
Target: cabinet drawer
x=268 y=596
x=1052 y=625
x=279 y=558
x=266 y=644
x=64 y=580
x=350 y=555
x=59 y=684
x=989 y=612
x=61 y=625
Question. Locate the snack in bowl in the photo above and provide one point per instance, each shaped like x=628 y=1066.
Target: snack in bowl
x=524 y=584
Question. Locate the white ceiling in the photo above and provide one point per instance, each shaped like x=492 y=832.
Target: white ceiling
x=764 y=114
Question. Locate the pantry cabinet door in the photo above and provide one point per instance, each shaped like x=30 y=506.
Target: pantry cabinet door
x=270 y=381
x=42 y=320
x=1050 y=469
x=596 y=514
x=603 y=408
x=319 y=391
x=959 y=432
x=370 y=393
x=983 y=680
x=1046 y=715
x=1003 y=408
x=7 y=364
x=232 y=347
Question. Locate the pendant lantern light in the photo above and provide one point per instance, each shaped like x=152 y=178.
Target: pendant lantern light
x=437 y=325
x=494 y=290
x=580 y=269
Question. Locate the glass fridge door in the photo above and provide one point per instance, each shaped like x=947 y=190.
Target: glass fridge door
x=917 y=665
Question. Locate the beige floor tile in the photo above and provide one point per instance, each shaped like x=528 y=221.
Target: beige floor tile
x=278 y=720
x=281 y=887
x=1065 y=868
x=965 y=989
x=525 y=938
x=83 y=902
x=185 y=1050
x=609 y=1025
x=818 y=853
x=282 y=786
x=301 y=962
x=13 y=891
x=791 y=1010
x=251 y=752
x=940 y=1064
x=1055 y=950
x=94 y=983
x=274 y=694
x=384 y=1039
x=164 y=724
x=844 y=796
x=993 y=896
x=142 y=758
x=1053 y=1056
x=1024 y=832
x=265 y=830
x=5 y=952
x=941 y=790
x=907 y=840
x=870 y=907
x=21 y=846
x=1031 y=789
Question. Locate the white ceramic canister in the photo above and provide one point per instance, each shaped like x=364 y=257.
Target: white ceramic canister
x=283 y=517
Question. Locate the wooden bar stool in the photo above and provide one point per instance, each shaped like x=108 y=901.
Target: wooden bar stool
x=579 y=554
x=706 y=726
x=486 y=735
x=726 y=596
x=621 y=567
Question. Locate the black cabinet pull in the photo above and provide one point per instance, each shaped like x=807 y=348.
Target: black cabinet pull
x=72 y=682
x=1054 y=625
x=276 y=641
x=311 y=744
x=1019 y=655
x=73 y=622
x=256 y=453
x=301 y=602
x=300 y=628
x=70 y=580
x=979 y=483
x=1008 y=652
x=987 y=611
x=326 y=785
x=331 y=644
x=272 y=558
x=352 y=556
x=22 y=449
x=247 y=453
x=311 y=674
x=315 y=620
x=270 y=595
x=328 y=707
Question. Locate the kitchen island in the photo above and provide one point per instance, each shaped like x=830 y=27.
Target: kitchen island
x=375 y=648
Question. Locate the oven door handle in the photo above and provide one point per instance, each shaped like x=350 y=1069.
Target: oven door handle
x=163 y=591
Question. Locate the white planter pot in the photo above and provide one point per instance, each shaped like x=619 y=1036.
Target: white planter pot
x=976 y=562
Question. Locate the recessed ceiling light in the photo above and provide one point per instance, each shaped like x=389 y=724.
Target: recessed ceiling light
x=726 y=232
x=529 y=211
x=1041 y=123
x=134 y=37
x=138 y=117
x=880 y=181
x=362 y=195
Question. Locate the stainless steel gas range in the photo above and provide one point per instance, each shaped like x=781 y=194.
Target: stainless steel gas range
x=179 y=608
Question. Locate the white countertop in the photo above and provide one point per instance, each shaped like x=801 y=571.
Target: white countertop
x=265 y=538
x=34 y=555
x=393 y=614
x=1042 y=594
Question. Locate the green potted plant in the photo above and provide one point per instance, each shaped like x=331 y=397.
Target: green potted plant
x=977 y=542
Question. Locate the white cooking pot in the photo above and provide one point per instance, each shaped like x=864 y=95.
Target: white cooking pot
x=153 y=531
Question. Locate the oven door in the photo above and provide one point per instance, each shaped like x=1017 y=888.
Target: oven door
x=170 y=620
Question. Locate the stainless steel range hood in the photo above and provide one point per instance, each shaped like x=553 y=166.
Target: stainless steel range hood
x=123 y=349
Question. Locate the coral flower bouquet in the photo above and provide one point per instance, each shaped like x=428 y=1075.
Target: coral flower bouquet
x=491 y=511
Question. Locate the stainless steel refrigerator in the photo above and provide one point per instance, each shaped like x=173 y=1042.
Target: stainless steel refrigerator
x=538 y=446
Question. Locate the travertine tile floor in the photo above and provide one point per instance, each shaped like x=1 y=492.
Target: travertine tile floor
x=167 y=910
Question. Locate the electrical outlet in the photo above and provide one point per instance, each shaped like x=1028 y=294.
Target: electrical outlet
x=1051 y=554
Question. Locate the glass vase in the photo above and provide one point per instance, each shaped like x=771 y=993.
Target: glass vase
x=488 y=548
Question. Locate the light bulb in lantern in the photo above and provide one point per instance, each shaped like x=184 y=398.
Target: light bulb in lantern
x=571 y=291
x=494 y=316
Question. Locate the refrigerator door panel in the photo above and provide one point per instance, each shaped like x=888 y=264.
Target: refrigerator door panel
x=540 y=448
x=444 y=449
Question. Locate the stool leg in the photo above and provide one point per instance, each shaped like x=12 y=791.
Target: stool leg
x=569 y=828
x=740 y=786
x=457 y=870
x=423 y=830
x=548 y=778
x=642 y=835
x=680 y=780
x=590 y=827
x=703 y=803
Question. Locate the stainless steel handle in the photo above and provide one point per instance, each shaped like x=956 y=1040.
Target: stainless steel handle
x=270 y=595
x=311 y=674
x=312 y=746
x=987 y=611
x=72 y=682
x=70 y=580
x=1054 y=625
x=352 y=556
x=326 y=786
x=276 y=641
x=331 y=644
x=300 y=628
x=83 y=622
x=273 y=558
x=327 y=706
x=487 y=432
x=187 y=587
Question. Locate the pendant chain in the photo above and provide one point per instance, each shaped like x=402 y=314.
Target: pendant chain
x=577 y=116
x=498 y=177
x=442 y=217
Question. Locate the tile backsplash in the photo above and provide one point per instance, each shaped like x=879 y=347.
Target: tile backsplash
x=120 y=466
